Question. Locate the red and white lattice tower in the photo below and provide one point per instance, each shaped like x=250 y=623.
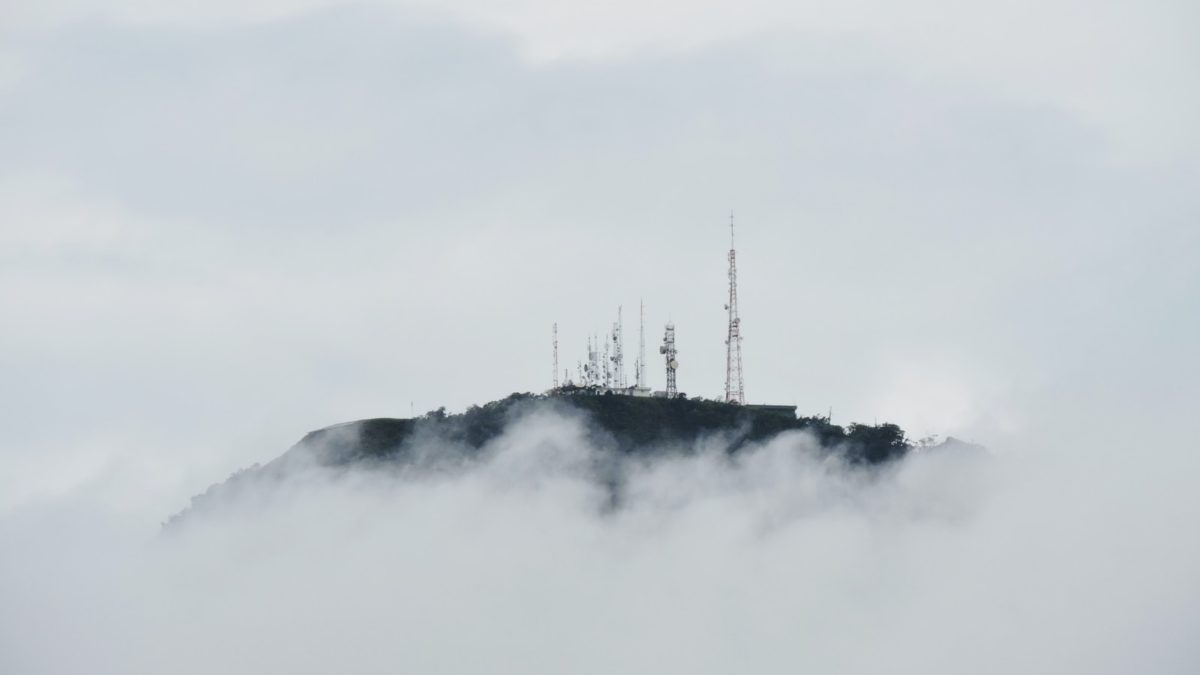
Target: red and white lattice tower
x=735 y=391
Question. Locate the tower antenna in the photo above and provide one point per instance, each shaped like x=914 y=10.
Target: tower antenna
x=641 y=369
x=608 y=370
x=734 y=387
x=556 y=355
x=590 y=369
x=618 y=357
x=668 y=350
x=597 y=372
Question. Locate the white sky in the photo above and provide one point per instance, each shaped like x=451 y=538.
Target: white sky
x=223 y=224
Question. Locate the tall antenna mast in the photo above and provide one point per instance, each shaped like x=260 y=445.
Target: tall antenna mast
x=597 y=371
x=618 y=357
x=641 y=369
x=734 y=387
x=590 y=373
x=608 y=383
x=668 y=350
x=556 y=355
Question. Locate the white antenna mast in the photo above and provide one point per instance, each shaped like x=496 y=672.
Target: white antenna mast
x=590 y=369
x=618 y=357
x=556 y=355
x=607 y=363
x=641 y=369
x=668 y=350
x=734 y=387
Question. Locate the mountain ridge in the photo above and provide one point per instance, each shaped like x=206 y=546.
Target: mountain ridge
x=620 y=427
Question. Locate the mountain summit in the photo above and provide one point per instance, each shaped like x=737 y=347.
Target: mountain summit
x=620 y=428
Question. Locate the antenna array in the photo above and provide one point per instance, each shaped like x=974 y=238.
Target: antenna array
x=604 y=368
x=618 y=353
x=668 y=350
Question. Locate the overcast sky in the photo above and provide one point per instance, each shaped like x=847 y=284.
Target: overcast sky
x=226 y=223
x=223 y=224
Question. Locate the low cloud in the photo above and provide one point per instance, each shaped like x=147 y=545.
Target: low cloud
x=775 y=560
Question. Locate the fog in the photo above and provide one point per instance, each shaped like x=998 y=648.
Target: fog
x=774 y=561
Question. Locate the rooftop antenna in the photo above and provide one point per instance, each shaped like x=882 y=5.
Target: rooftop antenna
x=608 y=379
x=668 y=350
x=618 y=355
x=556 y=355
x=590 y=373
x=641 y=369
x=734 y=387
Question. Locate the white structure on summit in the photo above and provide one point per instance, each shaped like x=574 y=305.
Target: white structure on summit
x=641 y=362
x=735 y=391
x=618 y=354
x=668 y=351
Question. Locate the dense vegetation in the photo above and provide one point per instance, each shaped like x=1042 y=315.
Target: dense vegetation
x=621 y=426
x=630 y=425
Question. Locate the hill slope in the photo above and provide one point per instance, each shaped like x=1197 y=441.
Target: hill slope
x=620 y=427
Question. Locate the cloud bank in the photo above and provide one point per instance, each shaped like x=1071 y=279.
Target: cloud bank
x=771 y=562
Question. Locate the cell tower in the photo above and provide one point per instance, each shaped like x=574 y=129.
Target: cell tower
x=618 y=353
x=597 y=371
x=556 y=355
x=734 y=388
x=668 y=350
x=641 y=363
x=592 y=369
x=607 y=363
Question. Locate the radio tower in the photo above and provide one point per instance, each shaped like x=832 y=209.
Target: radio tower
x=597 y=371
x=556 y=355
x=668 y=349
x=618 y=353
x=734 y=388
x=608 y=371
x=641 y=369
x=591 y=374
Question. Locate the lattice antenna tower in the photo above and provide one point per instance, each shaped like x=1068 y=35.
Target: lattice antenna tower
x=734 y=387
x=618 y=354
x=607 y=363
x=556 y=355
x=597 y=371
x=591 y=377
x=641 y=362
x=668 y=350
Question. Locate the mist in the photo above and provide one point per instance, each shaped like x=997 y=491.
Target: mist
x=776 y=559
